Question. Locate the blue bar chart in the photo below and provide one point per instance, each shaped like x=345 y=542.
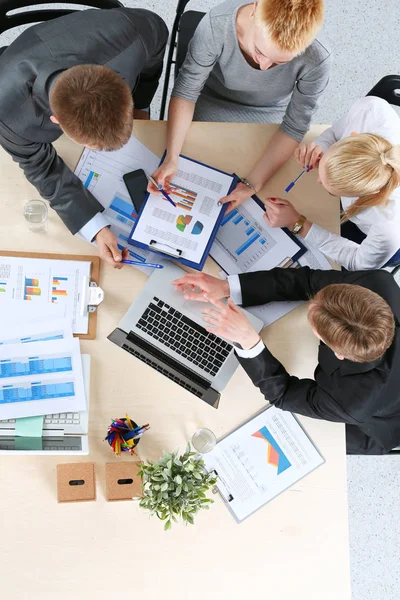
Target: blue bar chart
x=122 y=211
x=243 y=239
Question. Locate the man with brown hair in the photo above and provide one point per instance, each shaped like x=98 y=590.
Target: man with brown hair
x=356 y=316
x=86 y=74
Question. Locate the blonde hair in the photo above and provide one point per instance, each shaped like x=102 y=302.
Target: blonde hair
x=290 y=24
x=353 y=321
x=363 y=165
x=94 y=106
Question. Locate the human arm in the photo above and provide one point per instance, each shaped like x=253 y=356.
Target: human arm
x=203 y=52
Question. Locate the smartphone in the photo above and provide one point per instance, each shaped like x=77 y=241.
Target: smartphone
x=136 y=184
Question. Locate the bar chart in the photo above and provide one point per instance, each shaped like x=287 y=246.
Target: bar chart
x=31 y=288
x=243 y=238
x=183 y=197
x=121 y=210
x=91 y=180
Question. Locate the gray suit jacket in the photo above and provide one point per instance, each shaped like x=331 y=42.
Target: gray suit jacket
x=128 y=41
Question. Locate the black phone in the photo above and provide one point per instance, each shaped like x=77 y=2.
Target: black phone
x=136 y=184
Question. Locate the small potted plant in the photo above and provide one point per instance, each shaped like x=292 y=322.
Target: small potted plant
x=176 y=486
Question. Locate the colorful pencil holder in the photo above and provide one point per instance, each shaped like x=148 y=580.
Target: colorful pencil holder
x=120 y=435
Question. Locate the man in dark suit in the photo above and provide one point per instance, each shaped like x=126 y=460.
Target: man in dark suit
x=77 y=74
x=356 y=316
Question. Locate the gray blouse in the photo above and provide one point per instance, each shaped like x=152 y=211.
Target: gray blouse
x=217 y=77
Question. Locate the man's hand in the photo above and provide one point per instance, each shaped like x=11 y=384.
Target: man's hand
x=308 y=155
x=163 y=176
x=108 y=248
x=237 y=197
x=208 y=286
x=280 y=213
x=229 y=322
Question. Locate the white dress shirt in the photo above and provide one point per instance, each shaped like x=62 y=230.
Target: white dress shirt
x=381 y=224
x=92 y=227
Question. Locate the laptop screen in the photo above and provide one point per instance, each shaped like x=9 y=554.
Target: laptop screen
x=27 y=444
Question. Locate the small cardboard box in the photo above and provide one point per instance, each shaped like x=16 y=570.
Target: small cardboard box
x=76 y=482
x=123 y=481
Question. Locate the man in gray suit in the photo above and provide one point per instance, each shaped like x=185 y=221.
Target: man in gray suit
x=77 y=74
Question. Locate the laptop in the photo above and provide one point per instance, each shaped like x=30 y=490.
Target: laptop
x=167 y=332
x=63 y=433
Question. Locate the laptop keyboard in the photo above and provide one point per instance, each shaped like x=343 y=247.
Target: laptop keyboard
x=176 y=331
x=58 y=419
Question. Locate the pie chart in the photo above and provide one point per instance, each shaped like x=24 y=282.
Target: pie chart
x=197 y=228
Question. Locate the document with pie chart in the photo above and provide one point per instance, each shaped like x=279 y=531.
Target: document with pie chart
x=261 y=459
x=190 y=224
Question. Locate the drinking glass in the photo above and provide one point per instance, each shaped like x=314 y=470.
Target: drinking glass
x=35 y=212
x=203 y=440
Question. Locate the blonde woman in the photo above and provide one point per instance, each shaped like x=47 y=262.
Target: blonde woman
x=253 y=63
x=359 y=160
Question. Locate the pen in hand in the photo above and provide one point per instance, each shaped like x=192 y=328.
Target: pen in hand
x=292 y=183
x=142 y=264
x=160 y=188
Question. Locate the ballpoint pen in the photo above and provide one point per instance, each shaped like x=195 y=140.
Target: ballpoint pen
x=292 y=183
x=142 y=264
x=160 y=188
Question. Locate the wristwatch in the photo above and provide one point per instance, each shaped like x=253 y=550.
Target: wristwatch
x=298 y=225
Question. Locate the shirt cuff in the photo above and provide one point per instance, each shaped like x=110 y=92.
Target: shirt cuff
x=317 y=235
x=235 y=290
x=252 y=353
x=92 y=227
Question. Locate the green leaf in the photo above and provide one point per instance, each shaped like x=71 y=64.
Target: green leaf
x=178 y=491
x=167 y=525
x=197 y=475
x=163 y=487
x=178 y=479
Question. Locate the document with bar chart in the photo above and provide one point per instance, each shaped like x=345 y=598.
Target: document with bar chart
x=101 y=173
x=261 y=459
x=188 y=226
x=42 y=377
x=44 y=281
x=244 y=241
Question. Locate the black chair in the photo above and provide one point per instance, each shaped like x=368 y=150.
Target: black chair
x=9 y=21
x=183 y=29
x=388 y=88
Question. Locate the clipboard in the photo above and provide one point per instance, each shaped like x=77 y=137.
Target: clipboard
x=91 y=292
x=291 y=260
x=169 y=251
x=225 y=491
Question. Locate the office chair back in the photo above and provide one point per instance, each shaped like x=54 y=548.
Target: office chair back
x=182 y=32
x=387 y=88
x=9 y=21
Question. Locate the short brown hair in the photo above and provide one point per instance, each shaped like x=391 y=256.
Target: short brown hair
x=291 y=24
x=353 y=321
x=94 y=106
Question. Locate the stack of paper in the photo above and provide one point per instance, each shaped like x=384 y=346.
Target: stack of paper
x=40 y=368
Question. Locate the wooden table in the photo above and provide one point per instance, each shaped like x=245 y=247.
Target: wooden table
x=296 y=546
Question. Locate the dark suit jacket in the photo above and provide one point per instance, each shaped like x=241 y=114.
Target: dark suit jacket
x=366 y=396
x=128 y=41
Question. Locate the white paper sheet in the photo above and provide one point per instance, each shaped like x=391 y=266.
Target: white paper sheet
x=41 y=378
x=261 y=459
x=43 y=282
x=101 y=173
x=244 y=241
x=20 y=311
x=26 y=333
x=196 y=191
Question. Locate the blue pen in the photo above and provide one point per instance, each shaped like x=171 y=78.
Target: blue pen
x=160 y=188
x=142 y=264
x=292 y=183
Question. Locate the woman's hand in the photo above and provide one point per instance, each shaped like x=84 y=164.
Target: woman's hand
x=308 y=155
x=237 y=197
x=280 y=213
x=208 y=286
x=163 y=176
x=229 y=322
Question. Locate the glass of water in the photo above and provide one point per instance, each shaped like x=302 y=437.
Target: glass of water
x=203 y=440
x=35 y=212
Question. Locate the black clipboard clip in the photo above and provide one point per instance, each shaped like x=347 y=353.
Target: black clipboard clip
x=221 y=488
x=165 y=249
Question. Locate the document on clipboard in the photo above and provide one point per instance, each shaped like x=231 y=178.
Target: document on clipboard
x=261 y=459
x=185 y=231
